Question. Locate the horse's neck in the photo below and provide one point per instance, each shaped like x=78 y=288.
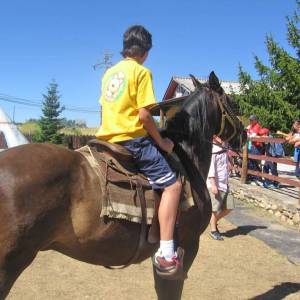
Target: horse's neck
x=196 y=167
x=195 y=161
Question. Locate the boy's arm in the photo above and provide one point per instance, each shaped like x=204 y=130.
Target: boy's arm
x=146 y=118
x=289 y=137
x=212 y=175
x=214 y=188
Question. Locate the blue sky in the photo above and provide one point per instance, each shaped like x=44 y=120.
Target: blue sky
x=42 y=40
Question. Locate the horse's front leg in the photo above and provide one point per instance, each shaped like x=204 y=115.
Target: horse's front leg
x=172 y=289
x=167 y=289
x=191 y=225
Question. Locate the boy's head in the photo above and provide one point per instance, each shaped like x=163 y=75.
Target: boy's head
x=137 y=41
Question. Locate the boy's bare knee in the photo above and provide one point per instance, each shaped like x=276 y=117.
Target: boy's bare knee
x=176 y=187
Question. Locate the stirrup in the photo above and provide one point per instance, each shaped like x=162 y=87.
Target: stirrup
x=177 y=273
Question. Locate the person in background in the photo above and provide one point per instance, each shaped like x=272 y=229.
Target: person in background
x=127 y=96
x=294 y=139
x=256 y=148
x=273 y=150
x=218 y=185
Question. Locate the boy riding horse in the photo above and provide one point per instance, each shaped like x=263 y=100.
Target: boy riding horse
x=127 y=96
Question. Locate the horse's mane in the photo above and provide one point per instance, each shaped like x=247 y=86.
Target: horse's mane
x=190 y=126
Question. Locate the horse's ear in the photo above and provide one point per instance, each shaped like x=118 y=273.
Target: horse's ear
x=197 y=84
x=214 y=83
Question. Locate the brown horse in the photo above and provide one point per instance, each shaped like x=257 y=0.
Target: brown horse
x=50 y=198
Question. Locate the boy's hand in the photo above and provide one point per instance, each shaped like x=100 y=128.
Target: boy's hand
x=166 y=145
x=214 y=189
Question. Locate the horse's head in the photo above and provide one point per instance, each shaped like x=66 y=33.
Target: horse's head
x=227 y=125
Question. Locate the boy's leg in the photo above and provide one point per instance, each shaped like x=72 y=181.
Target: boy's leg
x=213 y=221
x=223 y=213
x=167 y=211
x=227 y=205
x=154 y=166
x=167 y=214
x=216 y=203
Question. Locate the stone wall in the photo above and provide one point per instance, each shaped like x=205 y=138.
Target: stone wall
x=282 y=207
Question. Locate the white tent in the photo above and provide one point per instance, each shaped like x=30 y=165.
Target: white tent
x=10 y=133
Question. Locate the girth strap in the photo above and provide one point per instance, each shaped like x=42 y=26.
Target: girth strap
x=143 y=232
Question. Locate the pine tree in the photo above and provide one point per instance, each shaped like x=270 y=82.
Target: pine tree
x=275 y=97
x=49 y=123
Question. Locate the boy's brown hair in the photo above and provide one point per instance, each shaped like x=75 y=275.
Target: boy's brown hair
x=137 y=40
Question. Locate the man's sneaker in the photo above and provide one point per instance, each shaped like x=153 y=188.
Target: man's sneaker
x=266 y=185
x=216 y=235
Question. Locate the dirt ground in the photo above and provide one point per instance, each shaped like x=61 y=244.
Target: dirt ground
x=240 y=267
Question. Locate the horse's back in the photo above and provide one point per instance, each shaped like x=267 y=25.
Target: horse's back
x=37 y=156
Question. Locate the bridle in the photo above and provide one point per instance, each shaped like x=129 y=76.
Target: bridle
x=227 y=114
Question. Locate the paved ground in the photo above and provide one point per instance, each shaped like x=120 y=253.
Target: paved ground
x=257 y=223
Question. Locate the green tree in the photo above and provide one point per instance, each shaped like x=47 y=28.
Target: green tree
x=50 y=124
x=275 y=97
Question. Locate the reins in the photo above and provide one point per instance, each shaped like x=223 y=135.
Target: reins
x=224 y=149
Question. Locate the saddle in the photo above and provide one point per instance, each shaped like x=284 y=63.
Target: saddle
x=127 y=194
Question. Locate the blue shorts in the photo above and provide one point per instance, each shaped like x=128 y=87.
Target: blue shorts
x=151 y=162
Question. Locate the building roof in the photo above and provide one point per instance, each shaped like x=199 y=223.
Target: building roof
x=186 y=86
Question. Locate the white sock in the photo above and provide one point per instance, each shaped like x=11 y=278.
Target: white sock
x=167 y=249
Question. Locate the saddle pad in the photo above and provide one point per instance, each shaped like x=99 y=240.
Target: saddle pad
x=120 y=198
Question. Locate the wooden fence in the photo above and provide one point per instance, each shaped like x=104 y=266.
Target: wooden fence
x=77 y=141
x=71 y=141
x=244 y=171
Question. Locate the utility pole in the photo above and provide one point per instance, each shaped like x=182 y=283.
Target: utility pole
x=106 y=62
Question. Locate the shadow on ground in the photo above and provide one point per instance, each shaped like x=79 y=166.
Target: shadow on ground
x=279 y=291
x=242 y=230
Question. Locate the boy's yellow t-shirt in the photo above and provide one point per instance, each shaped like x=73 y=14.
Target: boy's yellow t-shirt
x=126 y=87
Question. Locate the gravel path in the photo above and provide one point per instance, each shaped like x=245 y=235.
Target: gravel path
x=240 y=267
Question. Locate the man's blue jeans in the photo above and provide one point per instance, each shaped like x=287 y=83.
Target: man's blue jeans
x=270 y=166
x=255 y=164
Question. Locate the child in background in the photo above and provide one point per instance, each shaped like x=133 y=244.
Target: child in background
x=218 y=185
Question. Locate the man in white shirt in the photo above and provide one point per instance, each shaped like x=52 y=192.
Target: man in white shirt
x=217 y=183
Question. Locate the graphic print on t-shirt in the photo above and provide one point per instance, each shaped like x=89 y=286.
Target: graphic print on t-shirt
x=114 y=87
